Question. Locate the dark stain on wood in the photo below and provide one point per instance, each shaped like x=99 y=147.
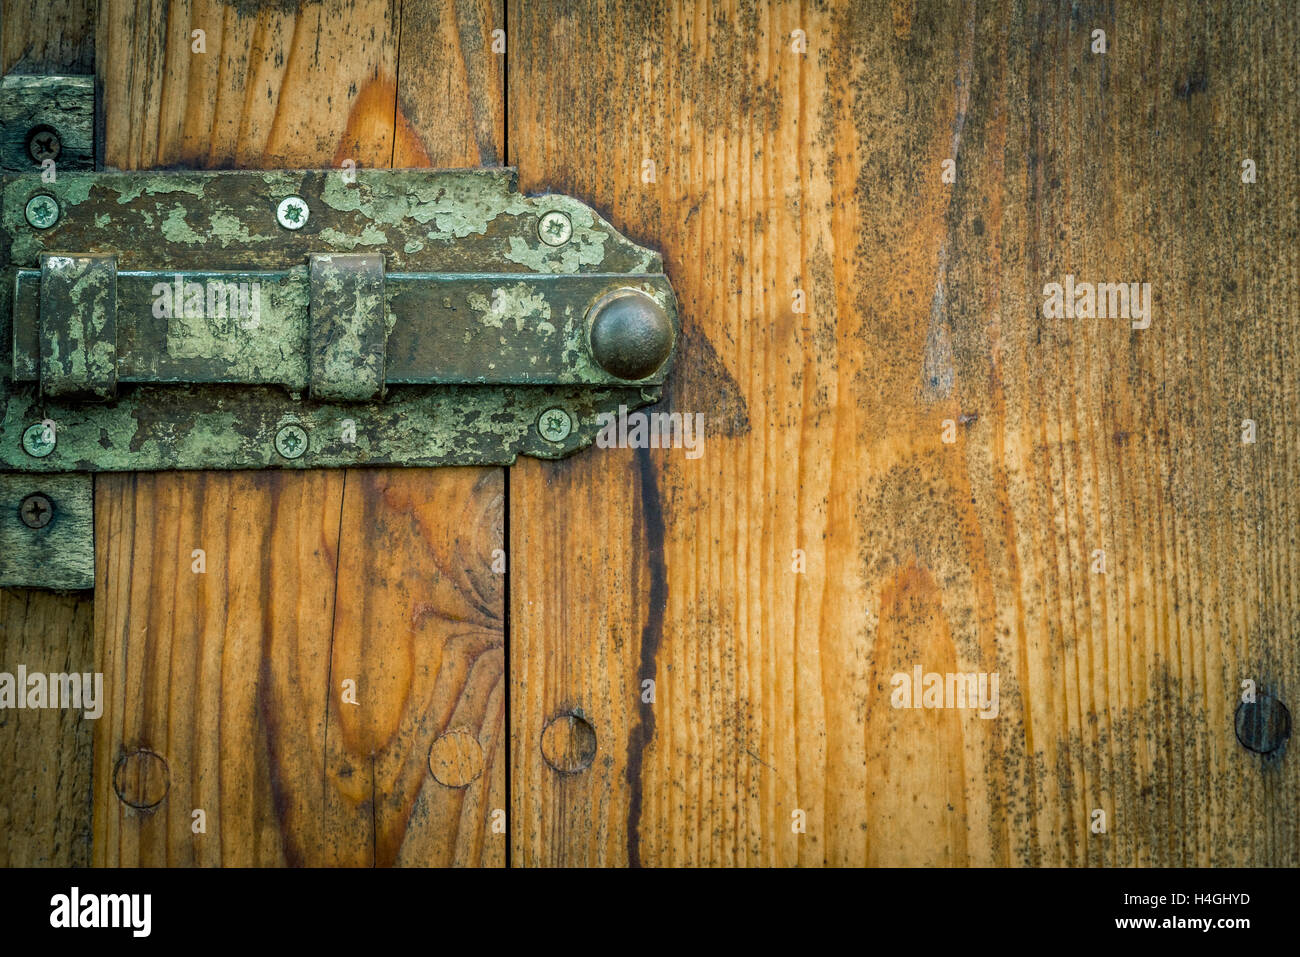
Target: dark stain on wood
x=1191 y=83
x=652 y=633
x=701 y=382
x=253 y=8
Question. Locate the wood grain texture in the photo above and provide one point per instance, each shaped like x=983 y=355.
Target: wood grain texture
x=779 y=171
x=47 y=36
x=380 y=578
x=224 y=672
x=453 y=594
x=451 y=83
x=45 y=754
x=276 y=87
x=423 y=636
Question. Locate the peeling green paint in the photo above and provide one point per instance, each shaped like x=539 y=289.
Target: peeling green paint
x=520 y=302
x=177 y=230
x=230 y=229
x=369 y=236
x=154 y=184
x=348 y=329
x=475 y=327
x=210 y=427
x=78 y=331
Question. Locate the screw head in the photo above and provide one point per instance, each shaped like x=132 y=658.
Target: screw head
x=39 y=440
x=554 y=228
x=292 y=212
x=291 y=441
x=43 y=143
x=36 y=510
x=554 y=425
x=631 y=335
x=42 y=211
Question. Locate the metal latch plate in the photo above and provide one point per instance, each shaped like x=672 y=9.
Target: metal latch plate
x=416 y=318
x=409 y=317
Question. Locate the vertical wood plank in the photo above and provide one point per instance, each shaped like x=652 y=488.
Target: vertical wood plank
x=45 y=812
x=422 y=638
x=275 y=87
x=427 y=630
x=234 y=678
x=820 y=172
x=216 y=673
x=451 y=83
x=46 y=754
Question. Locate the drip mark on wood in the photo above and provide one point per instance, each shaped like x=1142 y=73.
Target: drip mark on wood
x=652 y=633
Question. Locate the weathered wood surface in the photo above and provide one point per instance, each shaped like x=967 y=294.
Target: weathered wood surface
x=775 y=172
x=778 y=171
x=235 y=677
x=45 y=756
x=47 y=36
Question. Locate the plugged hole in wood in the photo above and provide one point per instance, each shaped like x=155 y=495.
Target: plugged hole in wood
x=1263 y=725
x=569 y=743
x=141 y=779
x=456 y=759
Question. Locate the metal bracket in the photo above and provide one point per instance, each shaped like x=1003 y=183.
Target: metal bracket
x=300 y=319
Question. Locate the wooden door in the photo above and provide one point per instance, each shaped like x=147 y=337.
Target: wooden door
x=907 y=461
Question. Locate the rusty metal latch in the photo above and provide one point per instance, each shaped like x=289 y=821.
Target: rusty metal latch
x=299 y=319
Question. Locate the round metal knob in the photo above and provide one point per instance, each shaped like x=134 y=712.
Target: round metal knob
x=631 y=335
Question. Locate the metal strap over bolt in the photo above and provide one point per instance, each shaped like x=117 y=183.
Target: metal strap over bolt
x=78 y=326
x=349 y=334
